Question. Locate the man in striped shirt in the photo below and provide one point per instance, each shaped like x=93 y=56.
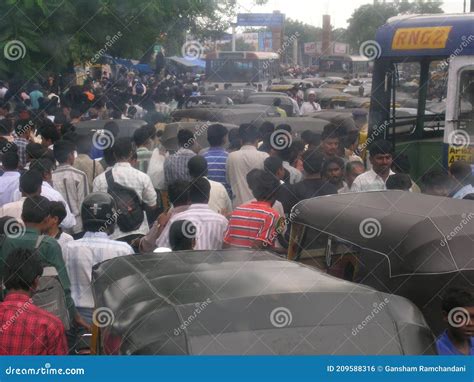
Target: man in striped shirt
x=216 y=155
x=256 y=224
x=209 y=225
x=71 y=183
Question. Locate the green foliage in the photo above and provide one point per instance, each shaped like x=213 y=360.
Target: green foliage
x=367 y=18
x=59 y=33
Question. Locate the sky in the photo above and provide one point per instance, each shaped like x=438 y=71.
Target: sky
x=311 y=11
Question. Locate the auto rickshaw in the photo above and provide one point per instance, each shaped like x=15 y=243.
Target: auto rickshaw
x=411 y=244
x=268 y=98
x=298 y=125
x=236 y=302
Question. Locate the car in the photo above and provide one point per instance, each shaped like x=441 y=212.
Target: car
x=236 y=302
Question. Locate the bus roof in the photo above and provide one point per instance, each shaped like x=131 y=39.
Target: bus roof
x=427 y=35
x=243 y=55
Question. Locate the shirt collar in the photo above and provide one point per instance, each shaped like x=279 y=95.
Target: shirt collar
x=101 y=235
x=18 y=297
x=196 y=206
x=182 y=150
x=248 y=147
x=13 y=174
x=122 y=164
x=375 y=175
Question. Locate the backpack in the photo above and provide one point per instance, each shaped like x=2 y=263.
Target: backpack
x=49 y=294
x=139 y=88
x=129 y=206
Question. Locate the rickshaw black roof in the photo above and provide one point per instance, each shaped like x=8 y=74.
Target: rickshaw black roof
x=418 y=233
x=126 y=126
x=238 y=298
x=232 y=115
x=299 y=124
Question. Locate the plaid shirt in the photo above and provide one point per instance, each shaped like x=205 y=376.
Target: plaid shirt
x=176 y=166
x=28 y=330
x=21 y=144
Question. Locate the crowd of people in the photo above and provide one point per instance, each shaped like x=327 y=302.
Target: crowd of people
x=69 y=202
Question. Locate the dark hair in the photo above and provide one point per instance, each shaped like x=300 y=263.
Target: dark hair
x=266 y=129
x=461 y=171
x=248 y=133
x=22 y=126
x=5 y=127
x=284 y=126
x=123 y=148
x=35 y=150
x=42 y=165
x=216 y=134
x=330 y=131
x=433 y=179
x=109 y=156
x=84 y=144
x=272 y=164
x=197 y=166
x=199 y=190
x=30 y=182
x=338 y=161
x=181 y=235
x=185 y=138
x=142 y=135
x=263 y=184
x=178 y=193
x=309 y=138
x=62 y=150
x=380 y=146
x=21 y=268
x=313 y=161
x=457 y=298
x=276 y=101
x=75 y=113
x=50 y=132
x=398 y=181
x=10 y=161
x=57 y=210
x=35 y=209
x=113 y=127
x=401 y=164
x=234 y=139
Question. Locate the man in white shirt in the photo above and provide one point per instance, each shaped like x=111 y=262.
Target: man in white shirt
x=311 y=105
x=45 y=167
x=209 y=225
x=219 y=200
x=380 y=156
x=124 y=174
x=30 y=185
x=98 y=217
x=11 y=177
x=239 y=164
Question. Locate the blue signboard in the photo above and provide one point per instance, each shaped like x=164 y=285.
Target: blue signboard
x=265 y=41
x=260 y=19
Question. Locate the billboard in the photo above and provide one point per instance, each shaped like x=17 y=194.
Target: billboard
x=265 y=41
x=260 y=19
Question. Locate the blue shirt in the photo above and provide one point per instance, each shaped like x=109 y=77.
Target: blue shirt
x=216 y=158
x=446 y=347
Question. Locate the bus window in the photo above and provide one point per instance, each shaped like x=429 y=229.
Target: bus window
x=465 y=101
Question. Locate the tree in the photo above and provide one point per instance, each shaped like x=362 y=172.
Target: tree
x=366 y=19
x=53 y=35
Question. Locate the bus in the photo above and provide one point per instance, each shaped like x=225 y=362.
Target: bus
x=242 y=67
x=425 y=62
x=344 y=66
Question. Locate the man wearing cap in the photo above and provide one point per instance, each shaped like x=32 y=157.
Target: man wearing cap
x=311 y=105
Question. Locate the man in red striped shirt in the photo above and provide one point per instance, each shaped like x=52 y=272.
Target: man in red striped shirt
x=256 y=224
